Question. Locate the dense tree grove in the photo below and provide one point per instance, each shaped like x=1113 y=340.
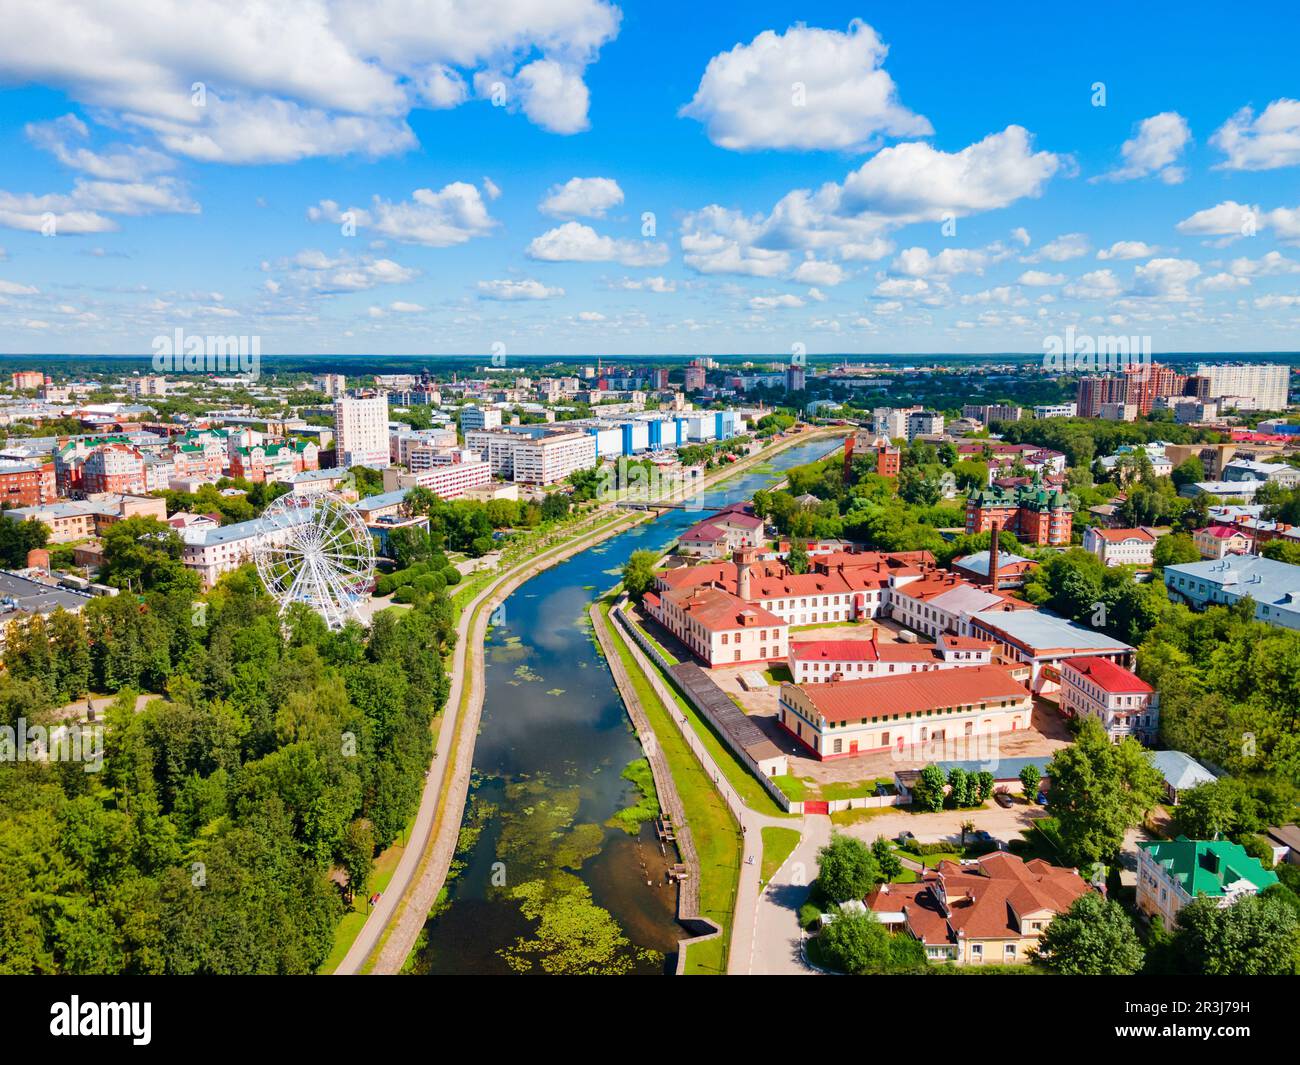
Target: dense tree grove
x=274 y=761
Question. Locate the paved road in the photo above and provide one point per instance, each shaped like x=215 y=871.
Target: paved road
x=776 y=942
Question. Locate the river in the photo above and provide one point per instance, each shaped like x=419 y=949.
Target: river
x=542 y=882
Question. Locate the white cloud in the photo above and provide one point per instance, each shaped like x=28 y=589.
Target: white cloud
x=118 y=163
x=317 y=272
x=517 y=290
x=818 y=272
x=582 y=198
x=918 y=262
x=13 y=288
x=1271 y=264
x=574 y=242
x=1285 y=223
x=1265 y=303
x=902 y=184
x=902 y=286
x=803 y=89
x=647 y=284
x=1227 y=219
x=1222 y=283
x=590 y=316
x=1062 y=249
x=1154 y=149
x=83 y=209
x=1040 y=278
x=1127 y=249
x=402 y=307
x=1021 y=236
x=318 y=77
x=452 y=215
x=1096 y=285
x=1164 y=279
x=785 y=301
x=1266 y=142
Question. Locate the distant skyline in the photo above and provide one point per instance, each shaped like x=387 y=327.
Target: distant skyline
x=581 y=178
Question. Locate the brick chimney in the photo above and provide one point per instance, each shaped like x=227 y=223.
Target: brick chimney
x=994 y=531
x=744 y=561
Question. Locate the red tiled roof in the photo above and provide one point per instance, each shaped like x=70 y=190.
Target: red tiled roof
x=1221 y=532
x=876 y=697
x=703 y=531
x=1116 y=536
x=717 y=610
x=981 y=901
x=1108 y=676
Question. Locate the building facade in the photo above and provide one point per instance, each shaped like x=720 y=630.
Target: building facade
x=1123 y=702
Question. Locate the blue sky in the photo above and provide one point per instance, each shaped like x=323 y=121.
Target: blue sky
x=869 y=178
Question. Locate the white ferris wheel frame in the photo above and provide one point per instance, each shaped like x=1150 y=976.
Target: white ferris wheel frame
x=317 y=551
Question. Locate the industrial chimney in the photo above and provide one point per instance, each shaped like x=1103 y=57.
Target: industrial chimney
x=994 y=531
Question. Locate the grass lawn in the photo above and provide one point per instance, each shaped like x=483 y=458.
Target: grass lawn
x=824 y=625
x=794 y=787
x=777 y=674
x=907 y=876
x=778 y=845
x=844 y=818
x=848 y=790
x=715 y=831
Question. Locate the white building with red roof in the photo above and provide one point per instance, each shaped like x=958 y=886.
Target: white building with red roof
x=720 y=628
x=727 y=531
x=1120 y=547
x=843 y=718
x=1123 y=702
x=943 y=602
x=1219 y=541
x=822 y=661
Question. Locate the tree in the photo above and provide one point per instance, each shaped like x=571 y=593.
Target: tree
x=1099 y=791
x=797 y=558
x=143 y=554
x=856 y=943
x=887 y=861
x=848 y=869
x=1031 y=778
x=1258 y=935
x=1175 y=549
x=928 y=791
x=1190 y=471
x=1094 y=937
x=19 y=537
x=639 y=573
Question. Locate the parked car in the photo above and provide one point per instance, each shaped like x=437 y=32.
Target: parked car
x=904 y=838
x=1003 y=799
x=1041 y=799
x=983 y=837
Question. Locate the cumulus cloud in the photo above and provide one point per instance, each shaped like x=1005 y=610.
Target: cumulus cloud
x=902 y=184
x=1154 y=148
x=786 y=301
x=319 y=77
x=317 y=272
x=918 y=262
x=452 y=215
x=1227 y=219
x=647 y=284
x=63 y=138
x=1040 y=278
x=818 y=272
x=84 y=209
x=574 y=242
x=509 y=290
x=1165 y=279
x=1095 y=285
x=1127 y=249
x=1264 y=142
x=582 y=198
x=803 y=89
x=1062 y=249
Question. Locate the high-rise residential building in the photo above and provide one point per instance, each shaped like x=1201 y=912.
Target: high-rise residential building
x=534 y=454
x=1266 y=383
x=330 y=384
x=361 y=430
x=1139 y=386
x=695 y=378
x=991 y=412
x=924 y=423
x=796 y=378
x=891 y=422
x=23 y=379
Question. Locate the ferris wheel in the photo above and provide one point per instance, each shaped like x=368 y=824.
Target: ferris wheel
x=316 y=550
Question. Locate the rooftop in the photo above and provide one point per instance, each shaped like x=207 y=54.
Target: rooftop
x=1039 y=631
x=1108 y=676
x=1181 y=771
x=909 y=693
x=1208 y=867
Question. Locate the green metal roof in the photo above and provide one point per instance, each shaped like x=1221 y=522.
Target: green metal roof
x=1208 y=867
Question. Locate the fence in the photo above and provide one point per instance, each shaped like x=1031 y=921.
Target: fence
x=646 y=645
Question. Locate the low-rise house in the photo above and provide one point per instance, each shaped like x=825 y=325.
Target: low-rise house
x=843 y=718
x=1216 y=541
x=719 y=535
x=1273 y=586
x=1120 y=547
x=1181 y=773
x=1123 y=702
x=1285 y=841
x=1172 y=873
x=820 y=661
x=992 y=911
x=76 y=520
